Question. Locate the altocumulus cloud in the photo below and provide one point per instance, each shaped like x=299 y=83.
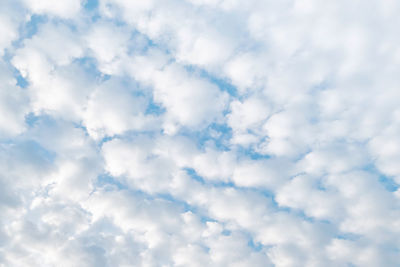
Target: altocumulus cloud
x=199 y=133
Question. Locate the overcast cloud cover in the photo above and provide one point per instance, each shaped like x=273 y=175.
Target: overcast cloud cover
x=160 y=133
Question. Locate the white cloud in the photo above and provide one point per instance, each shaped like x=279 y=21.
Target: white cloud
x=199 y=133
x=63 y=9
x=270 y=173
x=189 y=100
x=56 y=83
x=9 y=34
x=111 y=110
x=13 y=104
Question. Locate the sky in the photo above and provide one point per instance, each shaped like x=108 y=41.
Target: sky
x=199 y=133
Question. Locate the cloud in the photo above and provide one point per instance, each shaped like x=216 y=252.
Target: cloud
x=108 y=115
x=199 y=133
x=62 y=9
x=14 y=104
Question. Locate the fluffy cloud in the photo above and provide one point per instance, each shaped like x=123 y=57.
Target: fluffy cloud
x=107 y=115
x=14 y=104
x=199 y=133
x=62 y=9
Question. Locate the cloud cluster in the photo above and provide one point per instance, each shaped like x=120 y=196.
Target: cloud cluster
x=199 y=133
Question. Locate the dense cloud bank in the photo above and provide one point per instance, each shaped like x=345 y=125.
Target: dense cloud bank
x=199 y=133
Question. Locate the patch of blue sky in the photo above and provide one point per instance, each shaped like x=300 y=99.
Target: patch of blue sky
x=154 y=108
x=82 y=127
x=20 y=81
x=193 y=174
x=30 y=28
x=284 y=209
x=45 y=120
x=91 y=5
x=223 y=84
x=222 y=128
x=220 y=134
x=250 y=152
x=256 y=246
x=133 y=86
x=31 y=119
x=387 y=182
x=40 y=120
x=105 y=140
x=32 y=152
x=92 y=10
x=105 y=179
x=89 y=65
x=215 y=134
x=226 y=232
